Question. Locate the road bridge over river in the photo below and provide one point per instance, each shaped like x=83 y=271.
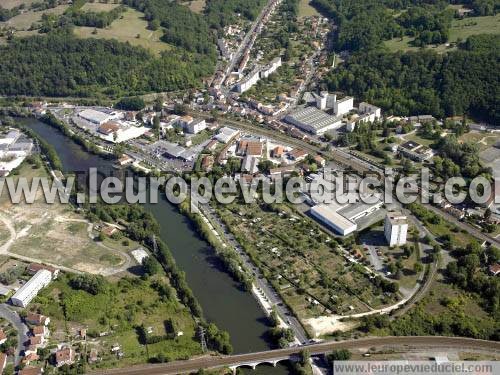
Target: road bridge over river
x=406 y=343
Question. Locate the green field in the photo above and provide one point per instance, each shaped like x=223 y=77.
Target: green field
x=473 y=26
x=306 y=10
x=483 y=140
x=98 y=7
x=25 y=20
x=9 y=4
x=127 y=29
x=460 y=30
x=127 y=304
x=196 y=6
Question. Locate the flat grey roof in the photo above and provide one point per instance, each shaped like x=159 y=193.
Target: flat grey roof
x=354 y=209
x=313 y=117
x=329 y=212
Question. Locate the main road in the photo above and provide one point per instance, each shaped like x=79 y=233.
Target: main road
x=433 y=343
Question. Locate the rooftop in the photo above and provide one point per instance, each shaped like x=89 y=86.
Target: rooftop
x=313 y=117
x=396 y=218
x=330 y=213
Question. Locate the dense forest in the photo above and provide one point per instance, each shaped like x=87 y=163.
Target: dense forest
x=366 y=24
x=58 y=64
x=425 y=82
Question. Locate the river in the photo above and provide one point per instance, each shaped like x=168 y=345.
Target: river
x=220 y=297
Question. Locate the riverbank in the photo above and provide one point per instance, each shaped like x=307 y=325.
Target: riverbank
x=223 y=301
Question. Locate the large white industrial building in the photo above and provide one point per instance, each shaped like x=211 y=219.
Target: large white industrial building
x=343 y=218
x=28 y=291
x=395 y=229
x=97 y=117
x=313 y=120
x=328 y=215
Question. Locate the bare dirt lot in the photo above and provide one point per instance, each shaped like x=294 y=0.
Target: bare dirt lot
x=54 y=234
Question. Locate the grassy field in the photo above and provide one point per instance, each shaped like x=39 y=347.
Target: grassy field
x=8 y=4
x=126 y=29
x=25 y=20
x=196 y=6
x=98 y=7
x=416 y=138
x=127 y=304
x=55 y=234
x=483 y=140
x=460 y=29
x=473 y=26
x=306 y=10
x=4 y=235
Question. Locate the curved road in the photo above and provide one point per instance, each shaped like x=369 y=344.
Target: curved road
x=410 y=342
x=22 y=330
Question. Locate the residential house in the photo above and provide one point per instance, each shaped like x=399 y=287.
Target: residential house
x=278 y=152
x=35 y=267
x=93 y=356
x=320 y=161
x=495 y=269
x=3 y=337
x=207 y=163
x=40 y=331
x=36 y=341
x=37 y=319
x=29 y=358
x=65 y=356
x=298 y=154
x=31 y=371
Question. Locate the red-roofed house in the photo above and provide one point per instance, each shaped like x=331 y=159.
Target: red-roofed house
x=40 y=331
x=35 y=267
x=65 y=356
x=31 y=357
x=31 y=371
x=36 y=341
x=495 y=269
x=37 y=319
x=3 y=337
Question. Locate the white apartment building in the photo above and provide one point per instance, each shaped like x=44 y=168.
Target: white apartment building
x=195 y=126
x=395 y=228
x=247 y=82
x=271 y=68
x=343 y=106
x=28 y=291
